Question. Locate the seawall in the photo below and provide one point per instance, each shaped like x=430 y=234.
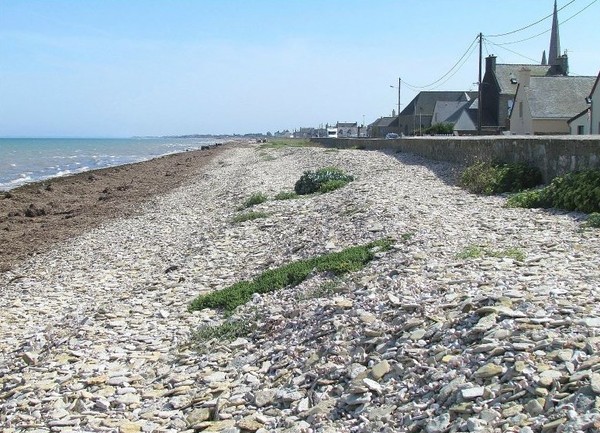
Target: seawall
x=553 y=155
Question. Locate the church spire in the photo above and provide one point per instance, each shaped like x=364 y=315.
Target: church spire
x=554 y=52
x=544 y=60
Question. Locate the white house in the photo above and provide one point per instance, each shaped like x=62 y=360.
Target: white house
x=594 y=100
x=580 y=124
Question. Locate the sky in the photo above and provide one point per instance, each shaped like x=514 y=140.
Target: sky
x=121 y=68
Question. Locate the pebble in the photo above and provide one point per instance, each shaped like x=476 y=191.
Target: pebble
x=95 y=336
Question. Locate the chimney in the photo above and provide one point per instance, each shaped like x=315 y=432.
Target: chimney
x=490 y=63
x=524 y=77
x=562 y=64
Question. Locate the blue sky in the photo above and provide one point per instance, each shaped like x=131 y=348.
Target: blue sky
x=117 y=68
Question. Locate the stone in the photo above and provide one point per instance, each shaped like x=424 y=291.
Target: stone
x=488 y=370
x=595 y=382
x=380 y=369
x=438 y=424
x=372 y=385
x=472 y=393
x=264 y=397
x=534 y=407
x=198 y=415
x=130 y=427
x=250 y=424
x=511 y=411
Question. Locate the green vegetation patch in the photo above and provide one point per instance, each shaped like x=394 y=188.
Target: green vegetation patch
x=249 y=216
x=323 y=180
x=593 y=221
x=476 y=252
x=292 y=274
x=286 y=195
x=253 y=200
x=228 y=330
x=440 y=128
x=488 y=179
x=576 y=191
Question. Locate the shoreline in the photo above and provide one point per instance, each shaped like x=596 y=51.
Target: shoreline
x=39 y=214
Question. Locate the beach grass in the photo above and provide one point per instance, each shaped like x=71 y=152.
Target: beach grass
x=249 y=216
x=340 y=263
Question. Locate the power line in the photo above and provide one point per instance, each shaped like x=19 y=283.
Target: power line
x=457 y=69
x=468 y=51
x=529 y=25
x=512 y=51
x=545 y=31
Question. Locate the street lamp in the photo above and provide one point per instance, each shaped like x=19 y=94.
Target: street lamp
x=399 y=87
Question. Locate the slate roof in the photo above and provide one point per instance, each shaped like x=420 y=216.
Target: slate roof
x=425 y=101
x=345 y=124
x=385 y=122
x=558 y=97
x=507 y=75
x=448 y=111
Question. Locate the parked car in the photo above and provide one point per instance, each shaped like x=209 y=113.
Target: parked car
x=391 y=136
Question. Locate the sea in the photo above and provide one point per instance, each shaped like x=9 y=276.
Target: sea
x=26 y=160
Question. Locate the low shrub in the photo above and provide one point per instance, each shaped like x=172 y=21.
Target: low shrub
x=229 y=330
x=286 y=195
x=486 y=178
x=476 y=252
x=254 y=199
x=576 y=191
x=529 y=199
x=292 y=274
x=328 y=178
x=593 y=220
x=249 y=216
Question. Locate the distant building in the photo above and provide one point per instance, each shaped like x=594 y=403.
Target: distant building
x=383 y=126
x=310 y=133
x=347 y=129
x=421 y=112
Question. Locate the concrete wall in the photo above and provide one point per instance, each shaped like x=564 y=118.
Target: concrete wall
x=553 y=155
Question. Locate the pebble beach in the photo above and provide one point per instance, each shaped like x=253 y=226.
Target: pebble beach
x=481 y=318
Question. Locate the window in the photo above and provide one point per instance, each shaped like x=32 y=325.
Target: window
x=580 y=130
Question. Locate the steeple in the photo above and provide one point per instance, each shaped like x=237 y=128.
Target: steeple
x=544 y=61
x=554 y=52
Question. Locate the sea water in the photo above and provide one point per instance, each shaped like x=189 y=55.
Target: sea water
x=25 y=160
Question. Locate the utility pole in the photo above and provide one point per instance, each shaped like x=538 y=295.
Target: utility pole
x=479 y=111
x=399 y=90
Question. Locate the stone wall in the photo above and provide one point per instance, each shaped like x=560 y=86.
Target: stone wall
x=554 y=156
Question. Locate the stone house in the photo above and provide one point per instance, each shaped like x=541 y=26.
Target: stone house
x=421 y=113
x=382 y=126
x=347 y=129
x=544 y=105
